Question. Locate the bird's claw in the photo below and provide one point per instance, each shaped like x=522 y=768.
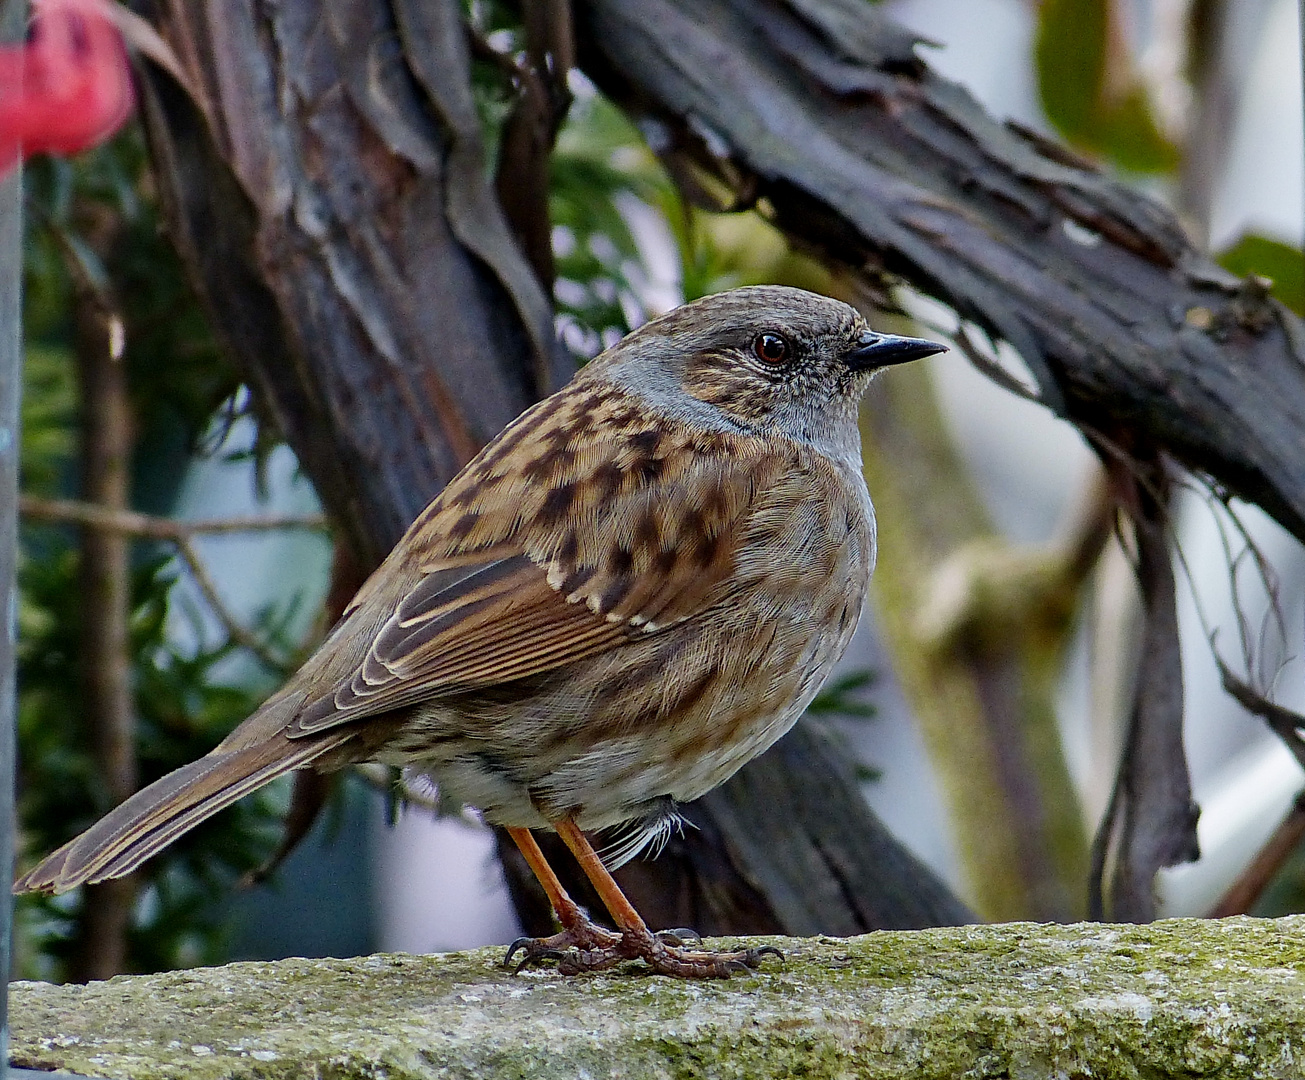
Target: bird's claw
x=522 y=944
x=582 y=940
x=594 y=949
x=679 y=935
x=533 y=956
x=685 y=963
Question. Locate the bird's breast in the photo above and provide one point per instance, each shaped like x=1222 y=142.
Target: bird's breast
x=676 y=707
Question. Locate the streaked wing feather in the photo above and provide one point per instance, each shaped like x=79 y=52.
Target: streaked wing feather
x=543 y=553
x=500 y=622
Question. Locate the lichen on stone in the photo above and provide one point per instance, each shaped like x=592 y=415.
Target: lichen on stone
x=1181 y=998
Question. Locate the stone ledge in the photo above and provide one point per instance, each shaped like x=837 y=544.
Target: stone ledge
x=1181 y=998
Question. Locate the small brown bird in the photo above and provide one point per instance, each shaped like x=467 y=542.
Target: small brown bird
x=633 y=590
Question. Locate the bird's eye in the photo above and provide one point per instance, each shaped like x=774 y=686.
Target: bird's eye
x=770 y=348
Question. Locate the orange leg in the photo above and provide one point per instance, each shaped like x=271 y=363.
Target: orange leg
x=622 y=911
x=567 y=910
x=594 y=943
x=662 y=952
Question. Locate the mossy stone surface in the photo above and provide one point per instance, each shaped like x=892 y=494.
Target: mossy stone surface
x=1181 y=999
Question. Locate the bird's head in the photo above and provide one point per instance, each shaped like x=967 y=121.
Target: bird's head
x=766 y=358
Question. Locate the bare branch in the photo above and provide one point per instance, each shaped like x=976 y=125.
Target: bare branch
x=122 y=522
x=109 y=706
x=1289 y=726
x=235 y=631
x=1151 y=820
x=825 y=116
x=113 y=520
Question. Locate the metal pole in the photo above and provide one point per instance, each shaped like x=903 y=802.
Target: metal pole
x=11 y=373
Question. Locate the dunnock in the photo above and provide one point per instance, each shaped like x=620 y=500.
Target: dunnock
x=634 y=589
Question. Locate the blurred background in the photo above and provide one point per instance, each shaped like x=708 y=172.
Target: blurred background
x=1197 y=103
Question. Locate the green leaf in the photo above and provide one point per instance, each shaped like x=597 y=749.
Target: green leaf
x=842 y=696
x=1128 y=135
x=1283 y=264
x=1110 y=118
x=1070 y=54
x=49 y=411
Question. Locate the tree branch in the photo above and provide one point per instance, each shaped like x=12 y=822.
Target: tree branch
x=1241 y=896
x=119 y=522
x=109 y=707
x=324 y=182
x=824 y=117
x=1151 y=819
x=235 y=630
x=131 y=523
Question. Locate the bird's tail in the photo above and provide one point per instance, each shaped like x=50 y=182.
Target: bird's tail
x=155 y=816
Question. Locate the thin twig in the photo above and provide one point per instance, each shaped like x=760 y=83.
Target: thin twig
x=237 y=633
x=1203 y=488
x=1272 y=587
x=181 y=535
x=1289 y=726
x=155 y=528
x=481 y=49
x=987 y=366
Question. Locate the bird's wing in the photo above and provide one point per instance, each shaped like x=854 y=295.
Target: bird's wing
x=518 y=569
x=463 y=625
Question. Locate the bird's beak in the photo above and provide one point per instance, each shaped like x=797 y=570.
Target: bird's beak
x=883 y=350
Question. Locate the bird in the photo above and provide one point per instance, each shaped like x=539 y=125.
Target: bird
x=635 y=588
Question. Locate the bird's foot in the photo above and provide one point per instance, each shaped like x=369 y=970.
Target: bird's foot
x=585 y=946
x=594 y=948
x=666 y=954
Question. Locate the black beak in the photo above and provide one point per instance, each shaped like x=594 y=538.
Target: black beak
x=884 y=350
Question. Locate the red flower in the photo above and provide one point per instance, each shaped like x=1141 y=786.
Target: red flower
x=68 y=87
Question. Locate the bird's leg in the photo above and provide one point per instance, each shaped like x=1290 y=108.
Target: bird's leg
x=593 y=944
x=663 y=955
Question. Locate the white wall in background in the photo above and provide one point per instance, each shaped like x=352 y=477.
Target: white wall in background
x=439 y=885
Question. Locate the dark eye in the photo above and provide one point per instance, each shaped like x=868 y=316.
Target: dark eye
x=770 y=348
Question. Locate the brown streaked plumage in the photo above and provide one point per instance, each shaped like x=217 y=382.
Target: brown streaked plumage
x=633 y=590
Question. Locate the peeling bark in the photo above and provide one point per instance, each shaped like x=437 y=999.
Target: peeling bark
x=822 y=115
x=326 y=187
